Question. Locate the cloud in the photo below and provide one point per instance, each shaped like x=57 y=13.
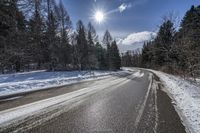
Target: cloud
x=121 y=8
x=135 y=40
x=138 y=37
x=124 y=6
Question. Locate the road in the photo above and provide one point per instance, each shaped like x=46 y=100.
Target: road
x=126 y=102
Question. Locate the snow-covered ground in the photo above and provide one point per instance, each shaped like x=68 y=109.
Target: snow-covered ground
x=186 y=98
x=198 y=81
x=29 y=81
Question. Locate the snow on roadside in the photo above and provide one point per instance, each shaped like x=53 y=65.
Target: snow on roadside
x=186 y=96
x=136 y=72
x=198 y=81
x=24 y=82
x=139 y=74
x=19 y=113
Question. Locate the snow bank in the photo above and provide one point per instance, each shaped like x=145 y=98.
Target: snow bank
x=29 y=81
x=186 y=96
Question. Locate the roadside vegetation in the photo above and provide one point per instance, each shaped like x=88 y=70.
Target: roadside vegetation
x=38 y=34
x=174 y=50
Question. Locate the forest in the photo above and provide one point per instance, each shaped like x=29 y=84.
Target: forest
x=38 y=34
x=174 y=50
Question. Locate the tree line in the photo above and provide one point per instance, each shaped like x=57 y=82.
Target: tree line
x=38 y=34
x=173 y=51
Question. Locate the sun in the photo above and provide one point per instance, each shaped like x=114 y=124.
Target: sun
x=99 y=16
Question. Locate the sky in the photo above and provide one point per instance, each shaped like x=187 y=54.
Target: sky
x=127 y=20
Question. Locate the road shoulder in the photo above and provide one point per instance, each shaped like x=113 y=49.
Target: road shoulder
x=159 y=114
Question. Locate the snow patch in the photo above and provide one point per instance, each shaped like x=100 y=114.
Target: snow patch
x=136 y=72
x=139 y=74
x=30 y=81
x=186 y=96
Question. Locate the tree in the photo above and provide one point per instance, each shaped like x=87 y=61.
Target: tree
x=91 y=37
x=51 y=35
x=12 y=36
x=148 y=55
x=178 y=51
x=82 y=46
x=76 y=58
x=115 y=58
x=127 y=59
x=188 y=40
x=107 y=40
x=101 y=56
x=7 y=26
x=19 y=48
x=64 y=27
x=163 y=44
x=36 y=35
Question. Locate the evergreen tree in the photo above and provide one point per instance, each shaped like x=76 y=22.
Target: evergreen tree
x=178 y=51
x=20 y=47
x=115 y=58
x=127 y=59
x=82 y=46
x=64 y=27
x=107 y=40
x=51 y=37
x=91 y=36
x=163 y=44
x=148 y=55
x=36 y=36
x=101 y=56
x=188 y=42
x=6 y=17
x=75 y=54
x=11 y=29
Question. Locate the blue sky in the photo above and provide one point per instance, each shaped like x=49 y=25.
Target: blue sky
x=143 y=15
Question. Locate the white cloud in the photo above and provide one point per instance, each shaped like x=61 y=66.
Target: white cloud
x=139 y=37
x=123 y=7
x=135 y=40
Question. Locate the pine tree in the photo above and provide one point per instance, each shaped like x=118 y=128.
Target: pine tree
x=163 y=44
x=20 y=42
x=91 y=37
x=51 y=37
x=82 y=46
x=132 y=59
x=107 y=40
x=36 y=35
x=65 y=25
x=127 y=59
x=13 y=34
x=148 y=55
x=101 y=56
x=9 y=33
x=115 y=58
x=76 y=61
x=188 y=42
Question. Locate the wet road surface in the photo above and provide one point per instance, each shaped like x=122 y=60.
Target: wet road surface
x=135 y=103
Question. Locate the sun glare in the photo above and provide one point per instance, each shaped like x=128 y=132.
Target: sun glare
x=99 y=16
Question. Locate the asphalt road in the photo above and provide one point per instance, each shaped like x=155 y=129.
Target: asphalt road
x=123 y=103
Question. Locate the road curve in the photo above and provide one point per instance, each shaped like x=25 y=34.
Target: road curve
x=123 y=103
